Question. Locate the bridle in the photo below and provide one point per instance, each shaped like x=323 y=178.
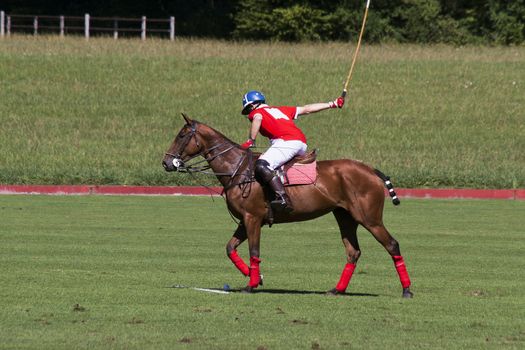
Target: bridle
x=187 y=139
x=203 y=169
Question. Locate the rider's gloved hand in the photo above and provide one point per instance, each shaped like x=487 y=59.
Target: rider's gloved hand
x=337 y=103
x=248 y=144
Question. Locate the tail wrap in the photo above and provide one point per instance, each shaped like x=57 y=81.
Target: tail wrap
x=389 y=186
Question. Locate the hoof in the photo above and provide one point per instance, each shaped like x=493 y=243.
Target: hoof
x=407 y=294
x=334 y=292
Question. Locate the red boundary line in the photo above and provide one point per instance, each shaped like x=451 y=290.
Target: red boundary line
x=215 y=191
x=460 y=193
x=110 y=190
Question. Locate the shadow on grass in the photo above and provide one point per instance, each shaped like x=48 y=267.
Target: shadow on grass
x=304 y=292
x=273 y=291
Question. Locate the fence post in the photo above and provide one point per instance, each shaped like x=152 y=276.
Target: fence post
x=172 y=28
x=62 y=25
x=35 y=25
x=8 y=26
x=143 y=28
x=2 y=23
x=86 y=25
x=115 y=29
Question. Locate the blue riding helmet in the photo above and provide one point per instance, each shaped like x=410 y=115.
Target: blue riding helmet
x=250 y=98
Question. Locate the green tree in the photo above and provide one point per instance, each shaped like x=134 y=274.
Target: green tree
x=421 y=21
x=256 y=20
x=507 y=21
x=300 y=23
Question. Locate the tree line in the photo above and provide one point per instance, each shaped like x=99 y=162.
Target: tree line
x=411 y=21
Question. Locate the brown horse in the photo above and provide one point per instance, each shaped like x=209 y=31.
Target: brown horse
x=351 y=190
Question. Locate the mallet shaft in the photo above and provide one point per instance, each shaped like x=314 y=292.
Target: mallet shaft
x=345 y=89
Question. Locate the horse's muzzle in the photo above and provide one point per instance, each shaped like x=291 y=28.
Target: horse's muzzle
x=172 y=164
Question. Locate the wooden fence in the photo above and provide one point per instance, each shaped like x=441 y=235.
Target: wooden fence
x=87 y=25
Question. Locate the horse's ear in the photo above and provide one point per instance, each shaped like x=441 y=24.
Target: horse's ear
x=187 y=119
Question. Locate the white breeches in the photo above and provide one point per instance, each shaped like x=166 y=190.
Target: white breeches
x=282 y=151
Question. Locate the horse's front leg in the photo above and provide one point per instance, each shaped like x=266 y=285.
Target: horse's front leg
x=238 y=237
x=253 y=231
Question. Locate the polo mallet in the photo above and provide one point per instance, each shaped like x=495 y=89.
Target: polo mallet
x=343 y=95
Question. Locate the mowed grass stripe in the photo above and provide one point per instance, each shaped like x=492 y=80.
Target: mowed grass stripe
x=95 y=272
x=104 y=112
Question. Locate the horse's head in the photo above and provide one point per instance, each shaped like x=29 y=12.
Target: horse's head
x=185 y=145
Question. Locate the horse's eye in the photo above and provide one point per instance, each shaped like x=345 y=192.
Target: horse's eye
x=181 y=135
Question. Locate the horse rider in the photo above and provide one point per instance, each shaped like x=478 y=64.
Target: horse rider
x=286 y=139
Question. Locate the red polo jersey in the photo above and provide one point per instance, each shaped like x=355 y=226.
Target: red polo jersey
x=278 y=123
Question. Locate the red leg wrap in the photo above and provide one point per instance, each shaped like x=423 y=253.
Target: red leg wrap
x=239 y=263
x=255 y=273
x=345 y=277
x=401 y=271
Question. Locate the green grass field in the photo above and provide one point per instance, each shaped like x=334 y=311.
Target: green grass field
x=94 y=272
x=104 y=111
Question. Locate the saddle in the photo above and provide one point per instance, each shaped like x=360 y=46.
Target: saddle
x=306 y=158
x=300 y=170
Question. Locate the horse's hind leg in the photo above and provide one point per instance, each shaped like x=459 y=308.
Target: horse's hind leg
x=348 y=228
x=382 y=235
x=238 y=237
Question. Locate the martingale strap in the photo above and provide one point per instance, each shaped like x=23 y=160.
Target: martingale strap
x=248 y=173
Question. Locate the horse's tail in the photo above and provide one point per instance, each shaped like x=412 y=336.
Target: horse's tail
x=389 y=186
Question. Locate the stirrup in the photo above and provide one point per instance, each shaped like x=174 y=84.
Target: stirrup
x=280 y=204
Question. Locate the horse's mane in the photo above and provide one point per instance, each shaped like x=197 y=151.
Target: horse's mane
x=215 y=132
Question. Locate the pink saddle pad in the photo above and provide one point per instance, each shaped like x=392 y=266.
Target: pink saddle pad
x=301 y=174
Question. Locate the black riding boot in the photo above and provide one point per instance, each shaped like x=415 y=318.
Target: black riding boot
x=265 y=176
x=282 y=201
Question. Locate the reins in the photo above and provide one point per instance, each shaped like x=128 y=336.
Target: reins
x=203 y=169
x=192 y=168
